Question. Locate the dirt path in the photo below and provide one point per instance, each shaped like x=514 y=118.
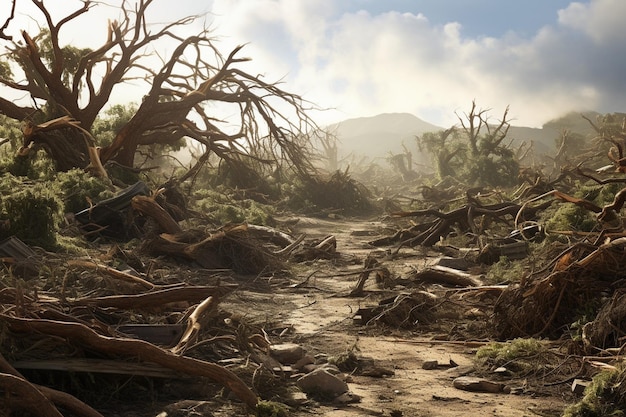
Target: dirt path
x=321 y=316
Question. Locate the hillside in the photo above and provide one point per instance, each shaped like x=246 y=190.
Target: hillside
x=378 y=136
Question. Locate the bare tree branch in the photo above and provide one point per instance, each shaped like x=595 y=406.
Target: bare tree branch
x=3 y=35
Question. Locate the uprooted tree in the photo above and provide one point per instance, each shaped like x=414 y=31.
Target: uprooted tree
x=69 y=87
x=476 y=151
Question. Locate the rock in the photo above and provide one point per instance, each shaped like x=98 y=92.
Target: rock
x=378 y=372
x=579 y=385
x=467 y=383
x=430 y=365
x=287 y=353
x=321 y=381
x=501 y=371
x=330 y=368
x=454 y=263
x=347 y=398
x=457 y=371
x=181 y=408
x=305 y=360
x=296 y=399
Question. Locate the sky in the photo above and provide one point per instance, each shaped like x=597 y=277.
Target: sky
x=430 y=58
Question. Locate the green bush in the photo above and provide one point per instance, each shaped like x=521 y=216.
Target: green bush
x=506 y=270
x=570 y=217
x=518 y=355
x=223 y=209
x=605 y=396
x=79 y=187
x=34 y=214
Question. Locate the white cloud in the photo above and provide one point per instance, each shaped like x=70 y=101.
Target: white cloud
x=365 y=64
x=601 y=20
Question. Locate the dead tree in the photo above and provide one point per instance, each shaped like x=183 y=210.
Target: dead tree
x=76 y=84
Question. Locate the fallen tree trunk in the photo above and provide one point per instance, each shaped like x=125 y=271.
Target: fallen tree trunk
x=33 y=401
x=80 y=334
x=156 y=299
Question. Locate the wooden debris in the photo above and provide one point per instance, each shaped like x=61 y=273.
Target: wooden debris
x=29 y=396
x=149 y=207
x=368 y=266
x=197 y=319
x=405 y=310
x=112 y=272
x=446 y=276
x=110 y=217
x=231 y=247
x=22 y=260
x=467 y=383
x=83 y=335
x=157 y=300
x=463 y=218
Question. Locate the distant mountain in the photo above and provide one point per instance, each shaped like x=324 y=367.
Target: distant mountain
x=380 y=135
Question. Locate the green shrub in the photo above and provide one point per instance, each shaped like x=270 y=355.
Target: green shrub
x=271 y=409
x=605 y=396
x=518 y=355
x=78 y=188
x=223 y=209
x=34 y=214
x=570 y=217
x=506 y=270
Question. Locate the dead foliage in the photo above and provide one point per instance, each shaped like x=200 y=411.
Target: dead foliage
x=230 y=247
x=106 y=316
x=608 y=329
x=402 y=311
x=338 y=192
x=545 y=304
x=470 y=219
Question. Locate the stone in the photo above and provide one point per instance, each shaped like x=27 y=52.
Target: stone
x=454 y=263
x=302 y=362
x=579 y=385
x=310 y=367
x=467 y=383
x=296 y=399
x=347 y=398
x=430 y=365
x=321 y=381
x=287 y=353
x=330 y=368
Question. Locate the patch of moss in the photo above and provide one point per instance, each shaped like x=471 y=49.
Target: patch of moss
x=271 y=409
x=570 y=217
x=514 y=354
x=605 y=396
x=505 y=271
